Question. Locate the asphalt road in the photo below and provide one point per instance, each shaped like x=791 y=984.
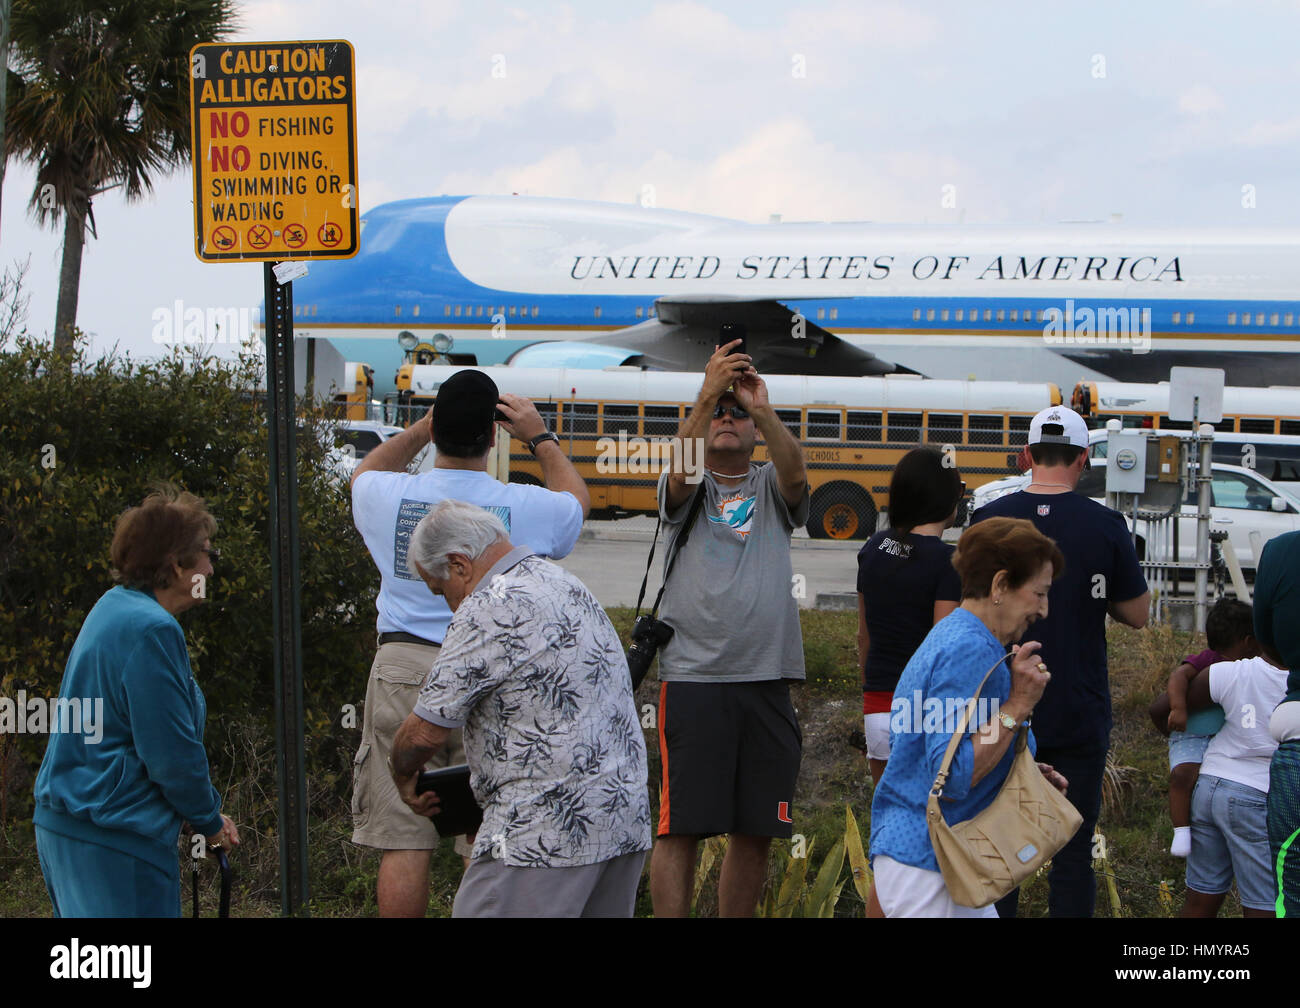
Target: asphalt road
x=610 y=559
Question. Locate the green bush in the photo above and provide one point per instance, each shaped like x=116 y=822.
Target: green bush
x=80 y=441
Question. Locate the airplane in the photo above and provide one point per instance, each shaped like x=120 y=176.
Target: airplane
x=544 y=282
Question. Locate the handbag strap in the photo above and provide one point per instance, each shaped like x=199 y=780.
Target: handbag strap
x=696 y=502
x=941 y=778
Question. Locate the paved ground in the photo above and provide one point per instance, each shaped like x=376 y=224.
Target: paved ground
x=610 y=558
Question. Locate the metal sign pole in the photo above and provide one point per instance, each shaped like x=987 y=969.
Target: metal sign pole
x=286 y=624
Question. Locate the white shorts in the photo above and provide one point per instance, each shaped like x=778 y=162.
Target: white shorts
x=904 y=891
x=876 y=728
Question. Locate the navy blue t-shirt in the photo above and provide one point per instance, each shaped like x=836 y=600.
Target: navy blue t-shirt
x=1100 y=566
x=900 y=578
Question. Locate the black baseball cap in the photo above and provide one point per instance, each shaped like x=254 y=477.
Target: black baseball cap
x=463 y=413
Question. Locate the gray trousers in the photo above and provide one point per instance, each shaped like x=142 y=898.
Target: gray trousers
x=491 y=888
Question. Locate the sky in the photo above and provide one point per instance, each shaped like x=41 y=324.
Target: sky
x=1168 y=114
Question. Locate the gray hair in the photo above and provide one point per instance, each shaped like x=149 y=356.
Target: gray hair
x=452 y=527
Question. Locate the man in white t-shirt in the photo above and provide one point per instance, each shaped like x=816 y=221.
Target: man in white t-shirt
x=387 y=504
x=1229 y=805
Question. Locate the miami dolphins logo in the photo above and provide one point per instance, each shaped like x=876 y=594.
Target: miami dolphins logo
x=737 y=513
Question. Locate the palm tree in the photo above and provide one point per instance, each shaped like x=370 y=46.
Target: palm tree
x=99 y=98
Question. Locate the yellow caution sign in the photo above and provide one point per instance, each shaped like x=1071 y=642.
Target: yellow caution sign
x=274 y=129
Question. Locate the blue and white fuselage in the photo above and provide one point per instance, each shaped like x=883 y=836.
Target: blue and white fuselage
x=1043 y=303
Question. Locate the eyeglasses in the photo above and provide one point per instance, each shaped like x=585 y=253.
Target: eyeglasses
x=212 y=552
x=737 y=412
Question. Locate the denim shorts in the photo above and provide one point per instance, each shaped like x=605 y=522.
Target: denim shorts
x=1187 y=748
x=1230 y=839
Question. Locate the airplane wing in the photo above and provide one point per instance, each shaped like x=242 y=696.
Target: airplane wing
x=779 y=338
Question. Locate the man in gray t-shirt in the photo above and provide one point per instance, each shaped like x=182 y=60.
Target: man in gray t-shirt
x=729 y=741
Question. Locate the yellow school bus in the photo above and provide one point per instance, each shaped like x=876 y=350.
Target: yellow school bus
x=615 y=424
x=1272 y=410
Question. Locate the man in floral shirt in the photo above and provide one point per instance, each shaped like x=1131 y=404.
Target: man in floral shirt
x=534 y=672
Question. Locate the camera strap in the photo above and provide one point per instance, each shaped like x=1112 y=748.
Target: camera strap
x=696 y=502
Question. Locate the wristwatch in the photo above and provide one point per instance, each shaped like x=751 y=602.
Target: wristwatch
x=546 y=436
x=1008 y=722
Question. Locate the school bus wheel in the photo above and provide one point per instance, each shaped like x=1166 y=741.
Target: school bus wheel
x=841 y=511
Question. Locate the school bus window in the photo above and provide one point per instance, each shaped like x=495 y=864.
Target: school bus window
x=863 y=426
x=662 y=421
x=984 y=429
x=1019 y=428
x=1289 y=427
x=790 y=417
x=580 y=419
x=823 y=424
x=945 y=428
x=1257 y=425
x=1227 y=424
x=904 y=427
x=546 y=410
x=619 y=418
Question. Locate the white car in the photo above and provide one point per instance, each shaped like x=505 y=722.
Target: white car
x=356 y=438
x=1251 y=509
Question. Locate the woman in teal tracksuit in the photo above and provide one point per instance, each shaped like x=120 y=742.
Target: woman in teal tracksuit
x=111 y=799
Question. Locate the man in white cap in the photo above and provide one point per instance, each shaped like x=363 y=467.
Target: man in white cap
x=1072 y=722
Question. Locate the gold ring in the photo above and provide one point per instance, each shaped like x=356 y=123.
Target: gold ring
x=1042 y=668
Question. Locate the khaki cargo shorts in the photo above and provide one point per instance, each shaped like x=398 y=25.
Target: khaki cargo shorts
x=380 y=818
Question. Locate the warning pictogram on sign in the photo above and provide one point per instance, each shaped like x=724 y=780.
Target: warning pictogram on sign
x=259 y=236
x=295 y=235
x=224 y=237
x=330 y=235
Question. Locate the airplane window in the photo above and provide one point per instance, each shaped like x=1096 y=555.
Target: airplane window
x=512 y=311
x=458 y=311
x=1191 y=317
x=974 y=314
x=535 y=310
x=916 y=314
x=1288 y=319
x=988 y=314
x=929 y=314
x=835 y=313
x=416 y=311
x=960 y=314
x=479 y=313
x=1259 y=319
x=597 y=309
x=1002 y=314
x=1232 y=318
x=640 y=311
x=821 y=314
x=1015 y=314
x=1178 y=318
x=446 y=311
x=1273 y=319
x=397 y=310
x=943 y=315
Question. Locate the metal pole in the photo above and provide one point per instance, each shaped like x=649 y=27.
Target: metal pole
x=1204 y=479
x=286 y=624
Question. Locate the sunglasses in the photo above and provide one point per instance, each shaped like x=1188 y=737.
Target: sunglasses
x=737 y=412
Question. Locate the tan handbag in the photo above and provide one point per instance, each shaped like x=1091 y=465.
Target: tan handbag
x=984 y=858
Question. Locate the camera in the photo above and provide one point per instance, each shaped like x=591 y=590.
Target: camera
x=648 y=636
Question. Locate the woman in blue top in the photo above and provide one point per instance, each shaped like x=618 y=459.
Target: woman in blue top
x=906 y=584
x=1006 y=568
x=111 y=799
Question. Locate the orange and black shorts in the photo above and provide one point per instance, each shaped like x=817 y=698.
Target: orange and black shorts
x=730 y=755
